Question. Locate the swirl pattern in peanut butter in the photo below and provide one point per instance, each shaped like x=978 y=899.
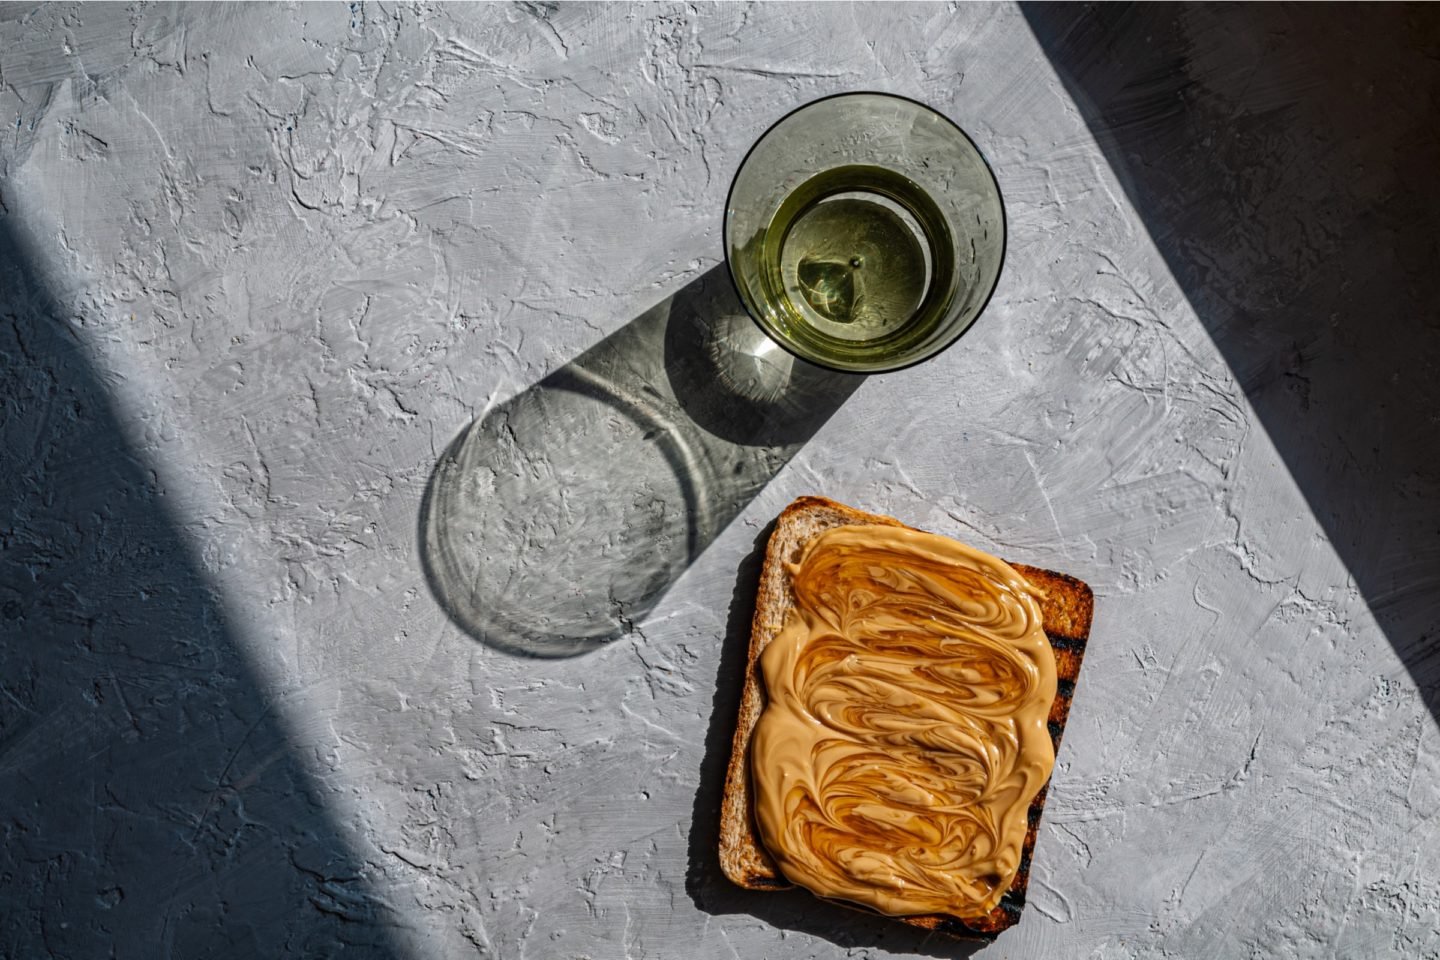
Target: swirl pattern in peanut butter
x=905 y=731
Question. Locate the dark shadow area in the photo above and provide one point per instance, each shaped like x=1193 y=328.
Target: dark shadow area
x=150 y=804
x=792 y=909
x=1286 y=162
x=557 y=520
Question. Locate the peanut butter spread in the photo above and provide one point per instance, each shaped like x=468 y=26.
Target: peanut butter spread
x=905 y=731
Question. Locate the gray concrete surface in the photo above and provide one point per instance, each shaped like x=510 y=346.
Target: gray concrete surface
x=262 y=264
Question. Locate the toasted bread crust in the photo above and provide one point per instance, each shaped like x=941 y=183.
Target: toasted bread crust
x=1067 y=607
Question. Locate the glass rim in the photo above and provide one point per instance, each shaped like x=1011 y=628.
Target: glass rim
x=740 y=290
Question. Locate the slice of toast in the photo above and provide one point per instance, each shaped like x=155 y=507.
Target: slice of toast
x=1066 y=605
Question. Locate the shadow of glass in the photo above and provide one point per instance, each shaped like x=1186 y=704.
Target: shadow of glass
x=791 y=909
x=1284 y=163
x=152 y=804
x=556 y=521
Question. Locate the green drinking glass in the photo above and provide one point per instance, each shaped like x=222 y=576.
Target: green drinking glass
x=865 y=232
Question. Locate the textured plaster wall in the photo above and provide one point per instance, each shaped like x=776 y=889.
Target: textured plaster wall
x=272 y=259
